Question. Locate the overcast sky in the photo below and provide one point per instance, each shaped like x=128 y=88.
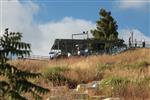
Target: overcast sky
x=42 y=21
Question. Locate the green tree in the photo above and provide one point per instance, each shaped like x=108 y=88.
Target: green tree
x=106 y=27
x=14 y=83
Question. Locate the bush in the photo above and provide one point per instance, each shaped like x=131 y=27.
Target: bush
x=100 y=70
x=56 y=76
x=138 y=65
x=113 y=86
x=55 y=70
x=126 y=88
x=143 y=63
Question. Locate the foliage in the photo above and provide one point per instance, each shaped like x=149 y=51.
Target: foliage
x=55 y=70
x=113 y=86
x=106 y=27
x=15 y=83
x=55 y=75
x=88 y=69
x=138 y=65
x=106 y=30
x=100 y=68
x=125 y=87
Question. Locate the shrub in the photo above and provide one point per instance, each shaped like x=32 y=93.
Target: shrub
x=113 y=86
x=56 y=76
x=138 y=65
x=15 y=82
x=143 y=63
x=126 y=88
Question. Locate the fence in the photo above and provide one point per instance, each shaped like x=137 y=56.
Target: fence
x=36 y=57
x=140 y=44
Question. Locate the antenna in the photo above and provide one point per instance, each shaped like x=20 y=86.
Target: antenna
x=84 y=33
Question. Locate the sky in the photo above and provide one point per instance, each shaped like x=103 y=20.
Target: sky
x=42 y=21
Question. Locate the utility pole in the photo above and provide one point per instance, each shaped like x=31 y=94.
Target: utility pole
x=132 y=37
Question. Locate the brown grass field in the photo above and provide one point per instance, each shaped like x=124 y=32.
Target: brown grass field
x=127 y=74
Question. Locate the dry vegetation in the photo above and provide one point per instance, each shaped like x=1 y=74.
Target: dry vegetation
x=125 y=75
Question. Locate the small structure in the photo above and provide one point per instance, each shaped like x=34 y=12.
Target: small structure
x=85 y=46
x=69 y=45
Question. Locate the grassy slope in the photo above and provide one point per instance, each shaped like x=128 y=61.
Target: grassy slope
x=133 y=66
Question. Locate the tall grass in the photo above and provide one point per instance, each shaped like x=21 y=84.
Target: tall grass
x=126 y=88
x=124 y=75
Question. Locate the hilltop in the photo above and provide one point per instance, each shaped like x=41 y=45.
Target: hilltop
x=128 y=73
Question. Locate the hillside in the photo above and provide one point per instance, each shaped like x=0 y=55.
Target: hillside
x=126 y=75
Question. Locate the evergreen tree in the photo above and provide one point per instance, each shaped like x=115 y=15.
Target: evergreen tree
x=106 y=27
x=14 y=82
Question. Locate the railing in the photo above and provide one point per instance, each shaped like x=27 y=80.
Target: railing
x=140 y=44
x=113 y=51
x=35 y=57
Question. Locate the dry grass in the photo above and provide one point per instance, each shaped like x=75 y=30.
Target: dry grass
x=130 y=64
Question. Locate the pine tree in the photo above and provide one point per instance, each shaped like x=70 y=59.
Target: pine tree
x=14 y=82
x=106 y=27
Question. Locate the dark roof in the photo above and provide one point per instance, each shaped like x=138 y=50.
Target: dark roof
x=66 y=44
